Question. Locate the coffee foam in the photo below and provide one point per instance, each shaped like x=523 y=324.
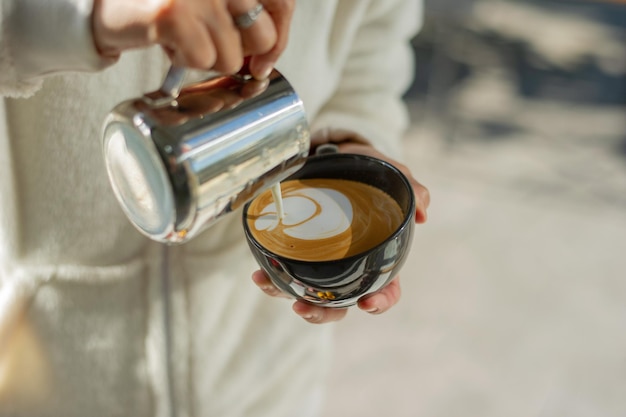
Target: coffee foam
x=309 y=214
x=324 y=219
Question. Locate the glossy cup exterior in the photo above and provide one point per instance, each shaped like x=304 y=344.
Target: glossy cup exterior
x=340 y=283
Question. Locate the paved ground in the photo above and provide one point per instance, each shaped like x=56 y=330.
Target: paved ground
x=514 y=298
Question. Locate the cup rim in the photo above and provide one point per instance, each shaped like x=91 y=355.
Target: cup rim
x=408 y=218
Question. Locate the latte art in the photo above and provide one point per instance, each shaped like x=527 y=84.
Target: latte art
x=324 y=219
x=310 y=213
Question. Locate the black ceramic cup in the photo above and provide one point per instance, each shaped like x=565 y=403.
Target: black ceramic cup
x=341 y=282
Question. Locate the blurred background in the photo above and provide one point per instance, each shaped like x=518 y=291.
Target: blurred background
x=514 y=296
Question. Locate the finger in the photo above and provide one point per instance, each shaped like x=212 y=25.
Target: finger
x=227 y=40
x=421 y=193
x=260 y=37
x=263 y=282
x=281 y=12
x=184 y=37
x=318 y=315
x=383 y=300
x=422 y=201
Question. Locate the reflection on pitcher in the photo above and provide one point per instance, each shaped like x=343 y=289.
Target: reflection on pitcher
x=203 y=99
x=198 y=155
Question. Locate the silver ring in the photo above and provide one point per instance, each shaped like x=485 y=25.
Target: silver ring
x=247 y=19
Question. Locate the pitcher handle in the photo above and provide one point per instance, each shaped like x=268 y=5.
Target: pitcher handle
x=173 y=82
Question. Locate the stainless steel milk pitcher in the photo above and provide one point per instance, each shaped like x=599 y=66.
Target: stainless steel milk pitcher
x=179 y=159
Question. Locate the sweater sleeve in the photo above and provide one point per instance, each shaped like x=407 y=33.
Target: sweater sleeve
x=41 y=37
x=378 y=70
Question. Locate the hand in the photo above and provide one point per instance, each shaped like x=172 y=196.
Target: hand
x=194 y=33
x=422 y=196
x=378 y=302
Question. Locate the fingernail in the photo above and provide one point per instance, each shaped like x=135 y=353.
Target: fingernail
x=372 y=310
x=264 y=71
x=308 y=316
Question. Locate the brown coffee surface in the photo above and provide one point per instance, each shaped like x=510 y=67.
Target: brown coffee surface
x=374 y=217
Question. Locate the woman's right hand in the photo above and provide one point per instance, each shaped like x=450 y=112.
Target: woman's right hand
x=195 y=33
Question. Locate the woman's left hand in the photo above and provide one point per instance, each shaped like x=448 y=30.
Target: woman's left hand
x=378 y=302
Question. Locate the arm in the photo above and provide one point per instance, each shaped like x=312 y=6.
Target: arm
x=38 y=37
